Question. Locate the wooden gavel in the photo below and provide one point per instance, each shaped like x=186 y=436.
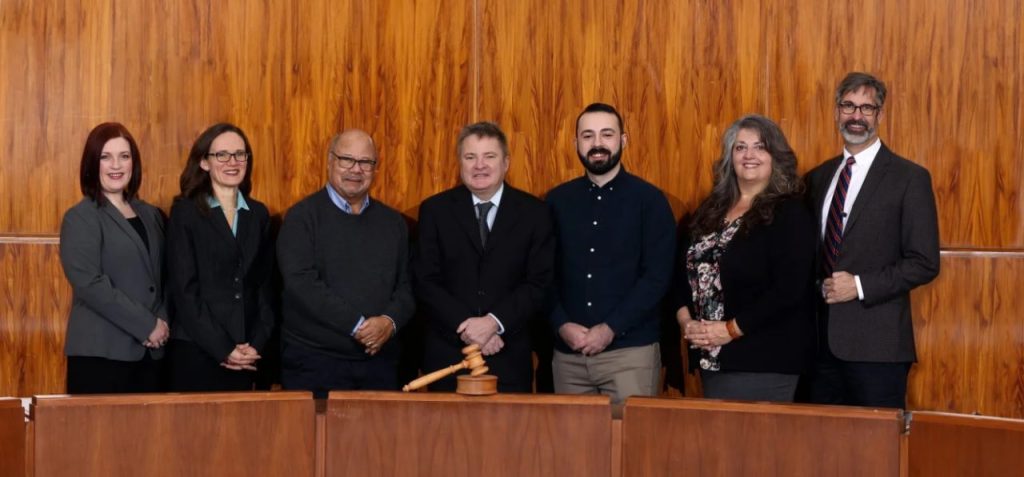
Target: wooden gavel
x=474 y=362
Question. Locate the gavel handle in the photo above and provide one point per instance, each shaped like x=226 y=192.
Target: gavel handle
x=436 y=375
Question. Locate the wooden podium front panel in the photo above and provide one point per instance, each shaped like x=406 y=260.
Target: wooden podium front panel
x=156 y=435
x=957 y=444
x=693 y=437
x=12 y=438
x=448 y=435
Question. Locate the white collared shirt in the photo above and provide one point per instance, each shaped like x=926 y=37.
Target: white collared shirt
x=491 y=214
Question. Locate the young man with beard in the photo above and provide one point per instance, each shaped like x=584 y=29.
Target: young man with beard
x=879 y=240
x=616 y=243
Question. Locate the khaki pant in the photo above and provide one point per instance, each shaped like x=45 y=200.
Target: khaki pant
x=618 y=373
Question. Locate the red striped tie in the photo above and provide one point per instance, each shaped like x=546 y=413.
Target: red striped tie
x=834 y=225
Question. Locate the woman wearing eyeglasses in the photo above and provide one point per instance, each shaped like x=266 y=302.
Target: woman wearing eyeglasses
x=112 y=248
x=220 y=263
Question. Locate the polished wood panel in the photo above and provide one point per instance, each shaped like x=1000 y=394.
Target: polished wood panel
x=434 y=434
x=955 y=74
x=955 y=445
x=12 y=438
x=688 y=437
x=35 y=299
x=253 y=434
x=970 y=342
x=543 y=62
x=290 y=74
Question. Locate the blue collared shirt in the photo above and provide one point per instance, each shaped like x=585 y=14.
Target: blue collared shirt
x=240 y=204
x=343 y=204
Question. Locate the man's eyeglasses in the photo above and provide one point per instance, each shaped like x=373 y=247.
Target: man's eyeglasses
x=847 y=107
x=224 y=156
x=346 y=162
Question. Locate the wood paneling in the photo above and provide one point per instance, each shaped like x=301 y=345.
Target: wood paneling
x=722 y=438
x=435 y=434
x=955 y=73
x=970 y=340
x=290 y=74
x=175 y=434
x=543 y=62
x=34 y=302
x=955 y=445
x=12 y=438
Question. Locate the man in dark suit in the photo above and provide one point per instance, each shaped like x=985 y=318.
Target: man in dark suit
x=880 y=240
x=483 y=263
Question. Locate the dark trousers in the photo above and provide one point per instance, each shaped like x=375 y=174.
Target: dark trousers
x=311 y=370
x=773 y=387
x=192 y=370
x=856 y=383
x=92 y=375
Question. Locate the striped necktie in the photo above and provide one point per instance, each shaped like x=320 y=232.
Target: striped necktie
x=834 y=224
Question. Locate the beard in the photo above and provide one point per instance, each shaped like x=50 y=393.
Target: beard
x=856 y=138
x=600 y=168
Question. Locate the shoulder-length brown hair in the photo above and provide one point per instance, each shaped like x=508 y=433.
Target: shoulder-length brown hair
x=725 y=192
x=195 y=182
x=89 y=169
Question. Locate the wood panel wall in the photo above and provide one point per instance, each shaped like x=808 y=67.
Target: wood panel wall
x=412 y=73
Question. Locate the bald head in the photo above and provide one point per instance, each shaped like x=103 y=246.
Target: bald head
x=351 y=165
x=353 y=138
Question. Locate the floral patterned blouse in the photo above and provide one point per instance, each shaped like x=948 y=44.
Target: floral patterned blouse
x=704 y=274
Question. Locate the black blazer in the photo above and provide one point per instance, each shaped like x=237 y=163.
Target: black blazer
x=116 y=282
x=767 y=282
x=220 y=284
x=891 y=240
x=456 y=278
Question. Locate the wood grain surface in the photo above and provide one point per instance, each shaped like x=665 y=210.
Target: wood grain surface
x=688 y=437
x=12 y=438
x=954 y=445
x=250 y=434
x=435 y=434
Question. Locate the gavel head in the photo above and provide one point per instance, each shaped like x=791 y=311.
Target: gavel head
x=474 y=360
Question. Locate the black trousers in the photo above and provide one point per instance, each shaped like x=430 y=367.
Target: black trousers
x=192 y=370
x=857 y=383
x=93 y=375
x=312 y=370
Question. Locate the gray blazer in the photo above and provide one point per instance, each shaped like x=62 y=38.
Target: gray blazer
x=891 y=240
x=116 y=283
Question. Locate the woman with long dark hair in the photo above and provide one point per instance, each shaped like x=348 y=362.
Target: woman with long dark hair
x=112 y=251
x=220 y=261
x=744 y=291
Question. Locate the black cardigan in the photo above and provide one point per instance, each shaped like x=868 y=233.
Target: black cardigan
x=767 y=282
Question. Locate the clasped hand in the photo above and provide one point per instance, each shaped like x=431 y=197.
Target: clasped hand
x=586 y=341
x=482 y=331
x=243 y=357
x=374 y=332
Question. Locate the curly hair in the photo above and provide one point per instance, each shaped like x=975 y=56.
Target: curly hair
x=783 y=182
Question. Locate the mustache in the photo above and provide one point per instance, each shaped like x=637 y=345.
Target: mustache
x=856 y=122
x=599 y=150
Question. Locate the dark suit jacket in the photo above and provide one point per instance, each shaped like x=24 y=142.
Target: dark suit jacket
x=116 y=283
x=767 y=282
x=456 y=278
x=891 y=240
x=220 y=284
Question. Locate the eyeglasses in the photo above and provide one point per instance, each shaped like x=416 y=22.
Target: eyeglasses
x=847 y=107
x=224 y=156
x=346 y=162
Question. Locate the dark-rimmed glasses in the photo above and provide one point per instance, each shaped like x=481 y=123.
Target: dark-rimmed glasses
x=225 y=156
x=346 y=162
x=869 y=109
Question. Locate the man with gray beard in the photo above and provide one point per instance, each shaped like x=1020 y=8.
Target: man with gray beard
x=879 y=240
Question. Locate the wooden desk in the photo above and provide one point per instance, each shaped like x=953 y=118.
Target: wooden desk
x=249 y=434
x=434 y=434
x=693 y=437
x=12 y=438
x=956 y=444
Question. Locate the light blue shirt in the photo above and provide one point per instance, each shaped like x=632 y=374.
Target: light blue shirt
x=343 y=204
x=240 y=204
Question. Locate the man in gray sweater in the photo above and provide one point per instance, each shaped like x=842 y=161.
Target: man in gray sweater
x=344 y=262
